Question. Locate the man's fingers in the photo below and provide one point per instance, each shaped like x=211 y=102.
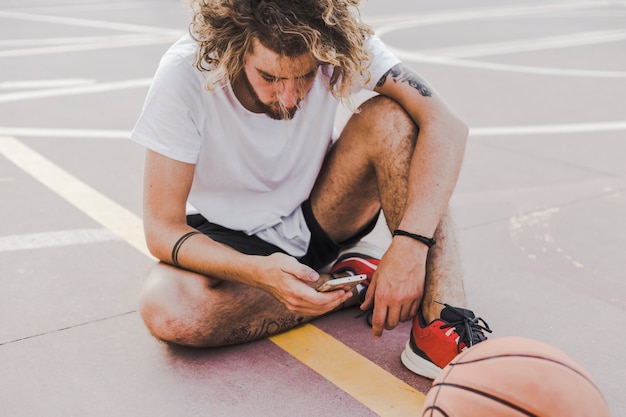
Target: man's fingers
x=290 y=265
x=393 y=317
x=304 y=273
x=316 y=304
x=308 y=274
x=387 y=317
x=368 y=302
x=379 y=316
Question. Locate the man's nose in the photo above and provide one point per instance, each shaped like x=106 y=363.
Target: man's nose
x=289 y=94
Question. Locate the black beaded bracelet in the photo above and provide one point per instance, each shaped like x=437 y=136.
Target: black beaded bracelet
x=178 y=244
x=428 y=241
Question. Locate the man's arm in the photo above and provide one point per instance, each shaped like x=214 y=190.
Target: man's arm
x=438 y=153
x=434 y=170
x=167 y=183
x=166 y=187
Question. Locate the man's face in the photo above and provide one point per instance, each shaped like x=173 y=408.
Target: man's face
x=275 y=85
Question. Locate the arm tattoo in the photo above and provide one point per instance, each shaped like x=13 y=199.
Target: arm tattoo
x=401 y=74
x=246 y=333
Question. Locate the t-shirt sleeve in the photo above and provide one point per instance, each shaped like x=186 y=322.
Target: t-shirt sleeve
x=382 y=60
x=168 y=123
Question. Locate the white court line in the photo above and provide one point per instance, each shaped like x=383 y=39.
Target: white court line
x=56 y=239
x=50 y=83
x=75 y=90
x=522 y=69
x=73 y=21
x=466 y=15
x=100 y=208
x=114 y=42
x=548 y=129
x=435 y=18
x=384 y=23
x=91 y=7
x=474 y=131
x=38 y=42
x=525 y=45
x=64 y=133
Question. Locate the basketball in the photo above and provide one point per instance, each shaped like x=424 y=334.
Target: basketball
x=514 y=377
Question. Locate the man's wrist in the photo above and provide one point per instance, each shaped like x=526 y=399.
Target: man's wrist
x=409 y=248
x=428 y=241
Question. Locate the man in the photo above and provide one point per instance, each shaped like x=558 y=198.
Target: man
x=247 y=196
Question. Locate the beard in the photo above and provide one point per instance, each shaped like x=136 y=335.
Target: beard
x=274 y=110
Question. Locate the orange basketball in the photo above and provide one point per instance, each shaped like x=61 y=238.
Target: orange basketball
x=514 y=377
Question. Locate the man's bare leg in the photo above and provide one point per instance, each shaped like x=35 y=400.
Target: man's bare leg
x=444 y=274
x=190 y=309
x=368 y=169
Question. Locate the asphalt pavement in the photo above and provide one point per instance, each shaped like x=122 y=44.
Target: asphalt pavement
x=540 y=208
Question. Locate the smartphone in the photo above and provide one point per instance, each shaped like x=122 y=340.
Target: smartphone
x=345 y=283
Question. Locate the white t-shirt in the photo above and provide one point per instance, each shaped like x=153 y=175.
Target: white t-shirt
x=252 y=172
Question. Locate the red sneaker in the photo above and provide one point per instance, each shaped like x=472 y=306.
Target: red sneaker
x=431 y=347
x=362 y=258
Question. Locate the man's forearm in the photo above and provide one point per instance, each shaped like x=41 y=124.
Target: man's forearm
x=199 y=253
x=433 y=174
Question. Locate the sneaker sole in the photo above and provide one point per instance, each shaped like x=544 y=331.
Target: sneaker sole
x=419 y=365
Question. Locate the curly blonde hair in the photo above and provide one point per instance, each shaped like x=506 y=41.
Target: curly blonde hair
x=329 y=30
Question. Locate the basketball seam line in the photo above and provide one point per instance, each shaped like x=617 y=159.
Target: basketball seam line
x=490 y=396
x=534 y=357
x=436 y=408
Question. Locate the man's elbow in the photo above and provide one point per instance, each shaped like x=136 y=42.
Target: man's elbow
x=155 y=243
x=461 y=130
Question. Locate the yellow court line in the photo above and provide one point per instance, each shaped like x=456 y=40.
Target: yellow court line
x=100 y=208
x=371 y=385
x=368 y=383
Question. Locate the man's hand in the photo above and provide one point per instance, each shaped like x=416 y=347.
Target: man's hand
x=291 y=283
x=397 y=286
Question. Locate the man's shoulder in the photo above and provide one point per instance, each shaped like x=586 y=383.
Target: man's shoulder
x=178 y=65
x=182 y=52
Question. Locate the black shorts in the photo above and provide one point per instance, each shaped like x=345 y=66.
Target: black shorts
x=322 y=249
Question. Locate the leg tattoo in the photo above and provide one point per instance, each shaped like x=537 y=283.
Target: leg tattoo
x=247 y=333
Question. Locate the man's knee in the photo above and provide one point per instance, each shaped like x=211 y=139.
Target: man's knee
x=387 y=119
x=167 y=310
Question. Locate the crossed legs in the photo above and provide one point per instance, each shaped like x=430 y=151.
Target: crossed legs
x=365 y=171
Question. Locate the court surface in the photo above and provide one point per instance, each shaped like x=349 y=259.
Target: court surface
x=540 y=208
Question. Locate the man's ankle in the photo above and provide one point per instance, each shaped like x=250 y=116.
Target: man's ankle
x=432 y=310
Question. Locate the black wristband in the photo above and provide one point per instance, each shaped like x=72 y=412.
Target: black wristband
x=428 y=241
x=178 y=244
